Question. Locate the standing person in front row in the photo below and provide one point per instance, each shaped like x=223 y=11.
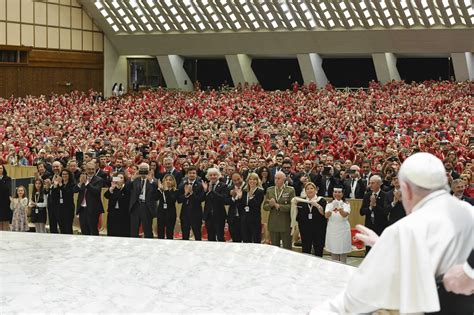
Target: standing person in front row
x=338 y=233
x=38 y=204
x=309 y=213
x=167 y=197
x=143 y=202
x=373 y=207
x=278 y=203
x=89 y=203
x=19 y=205
x=118 y=214
x=215 y=215
x=191 y=194
x=249 y=206
x=5 y=191
x=63 y=195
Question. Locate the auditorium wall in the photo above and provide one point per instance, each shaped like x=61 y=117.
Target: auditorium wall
x=64 y=48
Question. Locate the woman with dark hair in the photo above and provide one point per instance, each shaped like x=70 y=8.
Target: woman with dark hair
x=62 y=194
x=266 y=177
x=118 y=216
x=38 y=204
x=5 y=193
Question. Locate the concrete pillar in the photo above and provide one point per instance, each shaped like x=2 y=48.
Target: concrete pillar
x=175 y=77
x=240 y=67
x=311 y=67
x=385 y=67
x=463 y=64
x=115 y=68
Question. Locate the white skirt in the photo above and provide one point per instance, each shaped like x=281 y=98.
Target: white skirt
x=338 y=235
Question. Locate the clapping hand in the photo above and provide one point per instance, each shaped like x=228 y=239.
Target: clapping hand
x=272 y=202
x=397 y=196
x=160 y=185
x=366 y=235
x=82 y=179
x=205 y=186
x=373 y=201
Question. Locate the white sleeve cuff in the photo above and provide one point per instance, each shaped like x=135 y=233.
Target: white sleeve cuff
x=468 y=270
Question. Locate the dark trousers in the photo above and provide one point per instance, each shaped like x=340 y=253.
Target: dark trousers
x=312 y=238
x=235 y=229
x=215 y=228
x=118 y=224
x=166 y=223
x=451 y=303
x=141 y=215
x=53 y=219
x=251 y=231
x=89 y=220
x=188 y=223
x=66 y=219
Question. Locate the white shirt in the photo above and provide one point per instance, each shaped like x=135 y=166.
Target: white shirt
x=399 y=272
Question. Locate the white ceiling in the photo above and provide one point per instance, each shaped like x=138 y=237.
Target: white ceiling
x=272 y=27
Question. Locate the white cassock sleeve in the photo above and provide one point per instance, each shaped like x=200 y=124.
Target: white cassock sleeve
x=396 y=275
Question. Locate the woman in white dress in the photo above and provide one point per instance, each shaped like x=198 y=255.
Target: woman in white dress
x=338 y=233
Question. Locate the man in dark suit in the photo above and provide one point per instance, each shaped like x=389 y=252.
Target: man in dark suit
x=308 y=173
x=457 y=187
x=327 y=182
x=354 y=186
x=373 y=207
x=190 y=195
x=233 y=216
x=448 y=165
x=214 y=216
x=169 y=169
x=143 y=197
x=394 y=207
x=89 y=202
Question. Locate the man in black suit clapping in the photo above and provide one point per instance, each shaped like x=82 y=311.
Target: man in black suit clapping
x=89 y=202
x=214 y=206
x=373 y=207
x=394 y=207
x=143 y=199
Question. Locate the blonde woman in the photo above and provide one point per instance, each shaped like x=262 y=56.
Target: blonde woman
x=167 y=196
x=19 y=205
x=309 y=213
x=249 y=206
x=338 y=234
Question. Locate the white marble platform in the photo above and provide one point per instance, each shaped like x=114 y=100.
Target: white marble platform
x=85 y=274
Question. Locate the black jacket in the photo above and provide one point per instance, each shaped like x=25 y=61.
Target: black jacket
x=359 y=190
x=214 y=202
x=92 y=193
x=191 y=207
x=396 y=212
x=380 y=217
x=253 y=214
x=122 y=196
x=151 y=195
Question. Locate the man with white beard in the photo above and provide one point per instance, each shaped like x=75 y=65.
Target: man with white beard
x=401 y=269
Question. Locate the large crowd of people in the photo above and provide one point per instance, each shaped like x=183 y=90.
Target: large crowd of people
x=245 y=148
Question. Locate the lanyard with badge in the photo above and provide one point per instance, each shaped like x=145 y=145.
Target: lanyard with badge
x=61 y=200
x=165 y=205
x=36 y=202
x=247 y=208
x=279 y=195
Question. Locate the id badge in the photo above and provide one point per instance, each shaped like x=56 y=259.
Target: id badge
x=61 y=201
x=310 y=216
x=165 y=206
x=36 y=210
x=247 y=209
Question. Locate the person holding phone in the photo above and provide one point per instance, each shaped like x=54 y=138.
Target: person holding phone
x=167 y=196
x=118 y=216
x=143 y=207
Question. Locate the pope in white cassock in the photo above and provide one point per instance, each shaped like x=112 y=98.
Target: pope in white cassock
x=399 y=272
